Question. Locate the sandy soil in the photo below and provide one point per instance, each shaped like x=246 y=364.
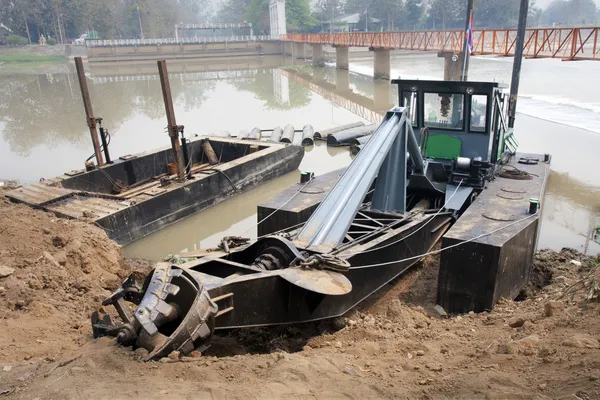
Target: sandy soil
x=397 y=346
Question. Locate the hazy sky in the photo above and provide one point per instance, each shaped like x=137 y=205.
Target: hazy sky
x=544 y=3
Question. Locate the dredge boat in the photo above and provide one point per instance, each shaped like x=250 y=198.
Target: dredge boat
x=442 y=165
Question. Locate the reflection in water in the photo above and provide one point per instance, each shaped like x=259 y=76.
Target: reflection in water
x=43 y=132
x=570 y=214
x=32 y=111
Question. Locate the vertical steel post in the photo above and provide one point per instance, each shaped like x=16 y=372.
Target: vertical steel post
x=516 y=74
x=171 y=123
x=89 y=112
x=465 y=69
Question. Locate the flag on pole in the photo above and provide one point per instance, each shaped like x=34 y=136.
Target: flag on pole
x=469 y=35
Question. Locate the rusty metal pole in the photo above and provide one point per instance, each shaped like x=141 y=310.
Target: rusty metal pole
x=516 y=73
x=89 y=112
x=171 y=123
x=465 y=68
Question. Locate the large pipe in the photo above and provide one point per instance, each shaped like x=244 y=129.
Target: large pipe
x=254 y=134
x=322 y=134
x=360 y=140
x=343 y=138
x=516 y=73
x=355 y=148
x=244 y=134
x=209 y=152
x=288 y=134
x=308 y=133
x=276 y=134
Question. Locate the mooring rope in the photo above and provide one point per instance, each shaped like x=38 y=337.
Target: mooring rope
x=412 y=233
x=464 y=241
x=278 y=208
x=514 y=173
x=445 y=248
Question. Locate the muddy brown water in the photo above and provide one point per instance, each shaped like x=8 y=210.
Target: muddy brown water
x=43 y=132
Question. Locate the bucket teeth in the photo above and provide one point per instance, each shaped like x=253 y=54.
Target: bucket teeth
x=152 y=303
x=172 y=289
x=173 y=273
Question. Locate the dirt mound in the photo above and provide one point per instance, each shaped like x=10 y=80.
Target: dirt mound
x=58 y=264
x=394 y=346
x=53 y=274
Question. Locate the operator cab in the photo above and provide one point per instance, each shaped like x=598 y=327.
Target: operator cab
x=453 y=119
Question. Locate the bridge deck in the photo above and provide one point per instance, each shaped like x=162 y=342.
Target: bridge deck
x=566 y=43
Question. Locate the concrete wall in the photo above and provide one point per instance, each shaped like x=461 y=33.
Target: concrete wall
x=183 y=51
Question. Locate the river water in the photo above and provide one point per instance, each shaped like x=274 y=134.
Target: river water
x=43 y=131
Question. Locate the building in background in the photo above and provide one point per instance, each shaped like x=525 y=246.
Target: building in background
x=277 y=18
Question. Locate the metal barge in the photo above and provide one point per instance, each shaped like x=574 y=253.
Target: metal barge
x=330 y=242
x=138 y=194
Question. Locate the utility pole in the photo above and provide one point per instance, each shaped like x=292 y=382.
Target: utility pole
x=466 y=42
x=60 y=32
x=140 y=21
x=516 y=74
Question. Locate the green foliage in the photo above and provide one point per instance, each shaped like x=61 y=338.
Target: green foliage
x=68 y=19
x=298 y=16
x=446 y=14
x=234 y=11
x=571 y=12
x=19 y=57
x=15 y=40
x=51 y=41
x=258 y=16
x=415 y=14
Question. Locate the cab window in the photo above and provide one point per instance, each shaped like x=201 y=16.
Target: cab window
x=444 y=110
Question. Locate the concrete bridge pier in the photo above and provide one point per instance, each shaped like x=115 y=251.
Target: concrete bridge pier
x=453 y=64
x=317 y=55
x=299 y=50
x=319 y=75
x=382 y=63
x=287 y=48
x=342 y=81
x=341 y=57
x=382 y=95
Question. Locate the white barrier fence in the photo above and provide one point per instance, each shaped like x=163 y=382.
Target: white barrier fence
x=185 y=40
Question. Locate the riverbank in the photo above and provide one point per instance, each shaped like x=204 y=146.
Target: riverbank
x=55 y=272
x=35 y=59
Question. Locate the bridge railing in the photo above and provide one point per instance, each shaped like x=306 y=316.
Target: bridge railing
x=183 y=40
x=183 y=76
x=580 y=43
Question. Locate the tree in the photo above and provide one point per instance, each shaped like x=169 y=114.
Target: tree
x=65 y=19
x=415 y=14
x=446 y=14
x=326 y=10
x=258 y=16
x=234 y=11
x=298 y=16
